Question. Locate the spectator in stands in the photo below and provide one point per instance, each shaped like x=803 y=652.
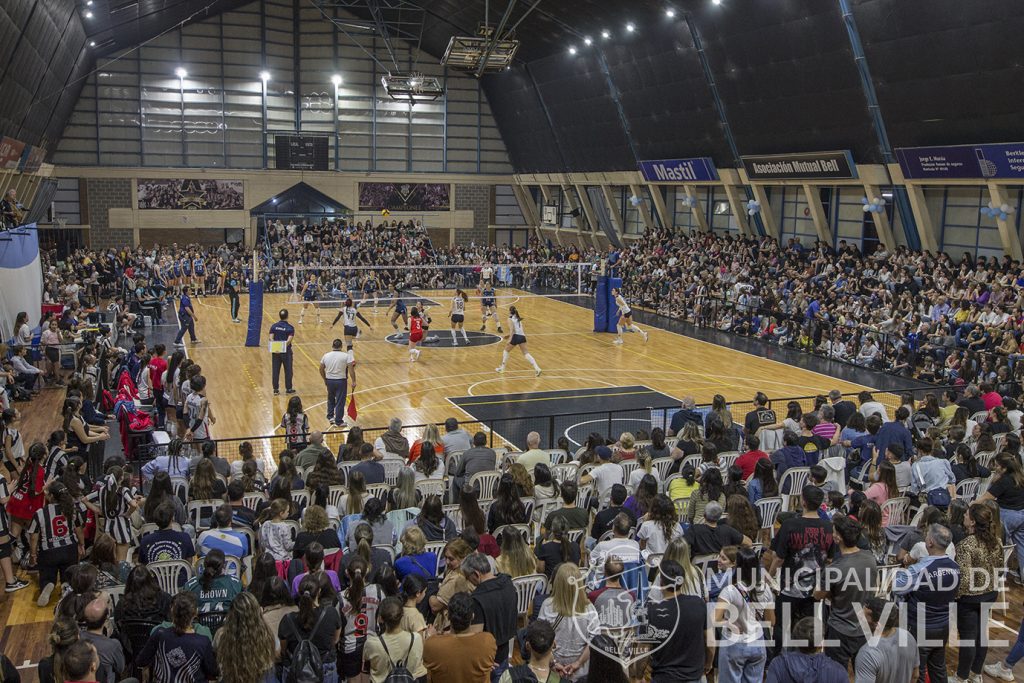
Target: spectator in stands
x=393 y=644
x=605 y=475
x=309 y=455
x=980 y=557
x=465 y=655
x=869 y=406
x=686 y=654
x=1007 y=491
x=847 y=583
x=165 y=543
x=143 y=600
x=392 y=440
x=972 y=400
x=762 y=484
x=575 y=517
x=686 y=413
x=455 y=438
x=619 y=545
x=748 y=459
x=209 y=452
x=842 y=408
x=317 y=621
x=241 y=514
x=178 y=651
x=741 y=608
x=709 y=537
x=433 y=522
x=495 y=610
x=414 y=558
x=760 y=416
x=806 y=662
x=930 y=586
x=893 y=655
x=711 y=489
x=800 y=548
x=110 y=650
x=477 y=459
x=246 y=647
x=81 y=663
x=930 y=473
x=574 y=621
x=533 y=455
x=506 y=508
x=556 y=548
x=229 y=541
x=369 y=467
x=315 y=528
x=603 y=519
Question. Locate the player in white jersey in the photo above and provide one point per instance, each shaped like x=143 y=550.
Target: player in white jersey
x=458 y=316
x=625 y=317
x=486 y=276
x=516 y=338
x=351 y=314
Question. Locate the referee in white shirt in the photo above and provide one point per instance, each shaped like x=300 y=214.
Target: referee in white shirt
x=335 y=367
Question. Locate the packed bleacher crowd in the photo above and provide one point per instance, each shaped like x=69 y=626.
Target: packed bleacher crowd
x=463 y=562
x=905 y=312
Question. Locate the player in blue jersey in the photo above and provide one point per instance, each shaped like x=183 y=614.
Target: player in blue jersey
x=311 y=296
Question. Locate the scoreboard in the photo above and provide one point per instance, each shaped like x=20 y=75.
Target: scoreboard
x=300 y=153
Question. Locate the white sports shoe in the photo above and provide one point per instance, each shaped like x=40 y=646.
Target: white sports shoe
x=44 y=597
x=645 y=336
x=500 y=368
x=999 y=672
x=537 y=373
x=617 y=341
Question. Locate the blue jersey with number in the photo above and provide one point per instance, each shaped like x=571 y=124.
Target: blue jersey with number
x=488 y=296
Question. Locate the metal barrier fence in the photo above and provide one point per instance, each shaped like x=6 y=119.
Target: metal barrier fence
x=510 y=432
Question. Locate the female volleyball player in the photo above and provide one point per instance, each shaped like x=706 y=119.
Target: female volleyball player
x=117 y=501
x=200 y=417
x=311 y=295
x=517 y=338
x=415 y=334
x=489 y=308
x=625 y=317
x=371 y=288
x=350 y=313
x=458 y=316
x=199 y=268
x=56 y=538
x=399 y=306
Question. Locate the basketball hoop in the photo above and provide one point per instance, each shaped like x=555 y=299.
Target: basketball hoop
x=61 y=223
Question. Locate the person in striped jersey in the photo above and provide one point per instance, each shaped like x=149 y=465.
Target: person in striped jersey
x=56 y=457
x=56 y=538
x=13 y=583
x=116 y=501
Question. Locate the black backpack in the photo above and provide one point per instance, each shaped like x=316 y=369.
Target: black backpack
x=306 y=666
x=399 y=672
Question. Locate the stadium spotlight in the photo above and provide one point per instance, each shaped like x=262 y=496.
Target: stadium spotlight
x=264 y=76
x=336 y=80
x=572 y=49
x=716 y=2
x=180 y=72
x=88 y=15
x=588 y=41
x=606 y=34
x=92 y=43
x=630 y=27
x=670 y=13
x=88 y=3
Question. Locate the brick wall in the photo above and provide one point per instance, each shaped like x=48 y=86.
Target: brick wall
x=479 y=200
x=103 y=194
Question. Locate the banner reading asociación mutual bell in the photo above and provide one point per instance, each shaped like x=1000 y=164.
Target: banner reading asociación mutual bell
x=837 y=165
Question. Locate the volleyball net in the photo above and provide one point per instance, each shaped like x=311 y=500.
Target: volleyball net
x=376 y=285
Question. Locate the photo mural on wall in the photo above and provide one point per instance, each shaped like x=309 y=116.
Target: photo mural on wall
x=404 y=196
x=190 y=193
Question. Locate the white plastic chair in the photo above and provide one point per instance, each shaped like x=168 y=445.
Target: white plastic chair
x=437 y=547
x=379 y=491
x=196 y=512
x=431 y=487
x=301 y=498
x=527 y=588
x=791 y=485
x=768 y=509
x=253 y=498
x=391 y=470
x=334 y=494
x=728 y=458
x=899 y=509
x=564 y=472
x=169 y=574
x=968 y=489
x=663 y=465
x=486 y=482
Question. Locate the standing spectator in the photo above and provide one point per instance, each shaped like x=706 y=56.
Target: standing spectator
x=316 y=621
x=574 y=621
x=495 y=609
x=1007 y=490
x=741 y=608
x=848 y=582
x=930 y=586
x=800 y=549
x=465 y=655
x=869 y=406
x=384 y=650
x=980 y=557
x=178 y=653
x=686 y=654
x=892 y=657
x=540 y=639
x=806 y=662
x=843 y=408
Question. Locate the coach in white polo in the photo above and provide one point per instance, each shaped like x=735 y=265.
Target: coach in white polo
x=335 y=368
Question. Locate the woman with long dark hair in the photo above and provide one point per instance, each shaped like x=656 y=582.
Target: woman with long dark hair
x=556 y=548
x=474 y=520
x=161 y=491
x=56 y=539
x=295 y=425
x=349 y=451
x=980 y=556
x=661 y=526
x=178 y=653
x=507 y=508
x=359 y=608
x=245 y=646
x=762 y=484
x=1007 y=490
x=710 y=489
x=214 y=590
x=143 y=599
x=884 y=489
x=433 y=522
x=28 y=496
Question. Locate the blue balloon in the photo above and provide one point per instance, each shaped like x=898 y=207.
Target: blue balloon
x=1002 y=215
x=864 y=200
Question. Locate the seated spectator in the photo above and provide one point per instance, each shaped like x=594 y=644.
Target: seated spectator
x=373 y=514
x=605 y=475
x=143 y=600
x=372 y=471
x=322 y=477
x=807 y=662
x=685 y=415
x=748 y=459
x=709 y=537
x=612 y=600
x=428 y=465
x=603 y=519
x=246 y=647
x=314 y=561
x=575 y=517
x=685 y=655
x=214 y=589
x=515 y=558
x=241 y=514
x=209 y=452
x=315 y=527
x=477 y=459
x=711 y=489
x=275 y=533
x=506 y=508
x=229 y=541
x=165 y=543
x=640 y=502
x=373 y=558
x=453 y=582
x=313 y=451
x=533 y=455
x=316 y=621
x=414 y=559
x=556 y=549
x=619 y=545
x=455 y=439
x=433 y=522
x=110 y=650
x=392 y=441
x=762 y=484
x=246 y=454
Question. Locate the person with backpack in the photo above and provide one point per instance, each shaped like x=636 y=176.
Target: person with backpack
x=309 y=638
x=393 y=654
x=540 y=640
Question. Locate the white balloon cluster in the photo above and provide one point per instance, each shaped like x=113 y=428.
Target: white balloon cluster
x=873 y=205
x=753 y=207
x=635 y=201
x=689 y=201
x=1002 y=211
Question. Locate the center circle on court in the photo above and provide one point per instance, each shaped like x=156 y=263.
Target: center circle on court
x=577 y=433
x=442 y=339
